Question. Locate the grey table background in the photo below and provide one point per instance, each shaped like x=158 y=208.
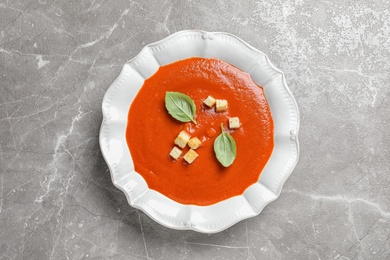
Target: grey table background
x=57 y=58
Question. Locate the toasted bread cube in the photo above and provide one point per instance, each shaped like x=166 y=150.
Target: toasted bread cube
x=190 y=156
x=209 y=101
x=194 y=143
x=221 y=105
x=234 y=122
x=182 y=139
x=175 y=153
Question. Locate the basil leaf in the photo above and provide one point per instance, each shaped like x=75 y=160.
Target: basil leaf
x=225 y=148
x=180 y=106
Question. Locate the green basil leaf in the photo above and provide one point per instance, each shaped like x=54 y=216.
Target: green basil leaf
x=180 y=106
x=225 y=148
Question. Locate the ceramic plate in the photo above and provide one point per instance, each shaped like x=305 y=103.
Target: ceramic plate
x=182 y=45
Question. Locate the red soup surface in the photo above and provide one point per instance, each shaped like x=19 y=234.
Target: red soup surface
x=151 y=131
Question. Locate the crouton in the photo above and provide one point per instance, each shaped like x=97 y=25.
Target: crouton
x=209 y=101
x=182 y=139
x=175 y=153
x=190 y=156
x=194 y=143
x=221 y=105
x=234 y=122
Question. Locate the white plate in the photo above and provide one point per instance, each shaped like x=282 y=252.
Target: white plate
x=181 y=45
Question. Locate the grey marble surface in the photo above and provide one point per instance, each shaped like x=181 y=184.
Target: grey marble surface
x=57 y=58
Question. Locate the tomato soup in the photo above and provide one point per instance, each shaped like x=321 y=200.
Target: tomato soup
x=151 y=131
